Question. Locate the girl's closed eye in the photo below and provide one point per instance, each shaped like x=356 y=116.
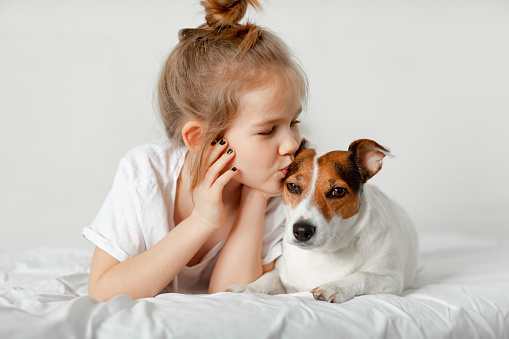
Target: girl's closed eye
x=273 y=129
x=294 y=123
x=268 y=132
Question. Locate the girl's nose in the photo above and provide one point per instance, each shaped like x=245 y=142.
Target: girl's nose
x=290 y=143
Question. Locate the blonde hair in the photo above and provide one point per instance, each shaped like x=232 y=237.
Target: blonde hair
x=204 y=76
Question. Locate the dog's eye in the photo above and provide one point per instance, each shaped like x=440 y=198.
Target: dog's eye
x=293 y=188
x=337 y=192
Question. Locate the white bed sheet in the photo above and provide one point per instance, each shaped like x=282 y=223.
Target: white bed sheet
x=462 y=291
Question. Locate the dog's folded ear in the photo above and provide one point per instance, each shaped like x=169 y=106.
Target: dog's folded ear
x=368 y=154
x=303 y=145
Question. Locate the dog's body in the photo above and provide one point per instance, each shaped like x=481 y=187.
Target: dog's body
x=342 y=238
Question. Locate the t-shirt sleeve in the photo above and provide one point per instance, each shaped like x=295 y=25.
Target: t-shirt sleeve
x=273 y=231
x=116 y=228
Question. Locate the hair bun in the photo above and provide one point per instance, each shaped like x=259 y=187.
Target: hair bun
x=223 y=13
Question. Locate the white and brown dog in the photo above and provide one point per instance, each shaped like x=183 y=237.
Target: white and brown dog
x=342 y=238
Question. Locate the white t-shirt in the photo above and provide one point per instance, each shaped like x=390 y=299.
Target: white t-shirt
x=138 y=213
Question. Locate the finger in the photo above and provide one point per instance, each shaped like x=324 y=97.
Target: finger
x=217 y=167
x=214 y=151
x=224 y=178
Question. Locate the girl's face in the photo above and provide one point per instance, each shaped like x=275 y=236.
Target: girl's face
x=265 y=136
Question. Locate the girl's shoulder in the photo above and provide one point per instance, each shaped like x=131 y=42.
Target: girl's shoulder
x=156 y=160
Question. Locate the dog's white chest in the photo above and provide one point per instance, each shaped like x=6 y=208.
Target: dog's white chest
x=302 y=270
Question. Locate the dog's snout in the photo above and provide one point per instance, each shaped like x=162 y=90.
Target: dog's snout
x=303 y=231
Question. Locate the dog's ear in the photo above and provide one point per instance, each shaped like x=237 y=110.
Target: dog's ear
x=368 y=154
x=303 y=145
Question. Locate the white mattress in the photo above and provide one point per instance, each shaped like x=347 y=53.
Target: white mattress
x=462 y=291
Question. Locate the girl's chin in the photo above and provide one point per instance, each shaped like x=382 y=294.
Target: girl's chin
x=274 y=187
x=273 y=190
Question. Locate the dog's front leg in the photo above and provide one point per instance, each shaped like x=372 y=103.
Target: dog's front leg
x=268 y=283
x=357 y=283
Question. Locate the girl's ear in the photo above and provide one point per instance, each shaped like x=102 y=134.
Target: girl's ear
x=193 y=133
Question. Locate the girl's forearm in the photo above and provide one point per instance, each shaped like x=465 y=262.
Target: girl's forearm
x=151 y=271
x=240 y=259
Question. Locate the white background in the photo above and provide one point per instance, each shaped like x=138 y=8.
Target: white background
x=427 y=78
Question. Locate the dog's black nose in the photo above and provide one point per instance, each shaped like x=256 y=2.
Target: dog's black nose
x=303 y=231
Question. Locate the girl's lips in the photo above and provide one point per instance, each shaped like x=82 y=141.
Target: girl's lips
x=285 y=170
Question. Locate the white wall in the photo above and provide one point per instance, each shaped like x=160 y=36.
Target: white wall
x=427 y=78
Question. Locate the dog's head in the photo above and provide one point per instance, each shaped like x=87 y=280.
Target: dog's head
x=322 y=193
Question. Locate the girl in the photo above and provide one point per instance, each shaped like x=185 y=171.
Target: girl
x=201 y=210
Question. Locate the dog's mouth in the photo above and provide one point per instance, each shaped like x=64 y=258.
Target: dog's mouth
x=301 y=244
x=307 y=245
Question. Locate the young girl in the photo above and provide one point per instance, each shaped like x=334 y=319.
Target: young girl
x=201 y=210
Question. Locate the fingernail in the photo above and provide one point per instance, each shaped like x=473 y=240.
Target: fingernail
x=230 y=151
x=213 y=143
x=222 y=142
x=234 y=169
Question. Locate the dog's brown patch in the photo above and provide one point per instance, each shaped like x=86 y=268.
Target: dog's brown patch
x=299 y=173
x=336 y=169
x=346 y=171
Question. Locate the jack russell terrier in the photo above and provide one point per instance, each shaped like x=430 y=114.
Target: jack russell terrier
x=342 y=238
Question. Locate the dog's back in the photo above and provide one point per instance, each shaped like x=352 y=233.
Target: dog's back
x=384 y=215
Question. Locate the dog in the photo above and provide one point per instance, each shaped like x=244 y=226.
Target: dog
x=343 y=238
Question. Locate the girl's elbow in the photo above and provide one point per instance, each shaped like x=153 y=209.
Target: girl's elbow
x=215 y=289
x=97 y=294
x=216 y=286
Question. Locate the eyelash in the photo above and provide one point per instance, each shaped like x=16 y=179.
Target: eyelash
x=269 y=132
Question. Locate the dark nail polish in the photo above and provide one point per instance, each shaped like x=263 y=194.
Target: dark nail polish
x=230 y=151
x=222 y=142
x=234 y=169
x=213 y=143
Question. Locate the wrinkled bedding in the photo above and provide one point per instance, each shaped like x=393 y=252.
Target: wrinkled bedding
x=461 y=291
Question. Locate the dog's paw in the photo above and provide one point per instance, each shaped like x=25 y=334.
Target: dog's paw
x=331 y=292
x=242 y=289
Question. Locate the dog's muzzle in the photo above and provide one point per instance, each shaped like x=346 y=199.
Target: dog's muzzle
x=303 y=231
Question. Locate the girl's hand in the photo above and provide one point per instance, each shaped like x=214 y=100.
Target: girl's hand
x=208 y=195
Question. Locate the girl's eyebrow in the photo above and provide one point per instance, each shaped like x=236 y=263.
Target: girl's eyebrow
x=269 y=121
